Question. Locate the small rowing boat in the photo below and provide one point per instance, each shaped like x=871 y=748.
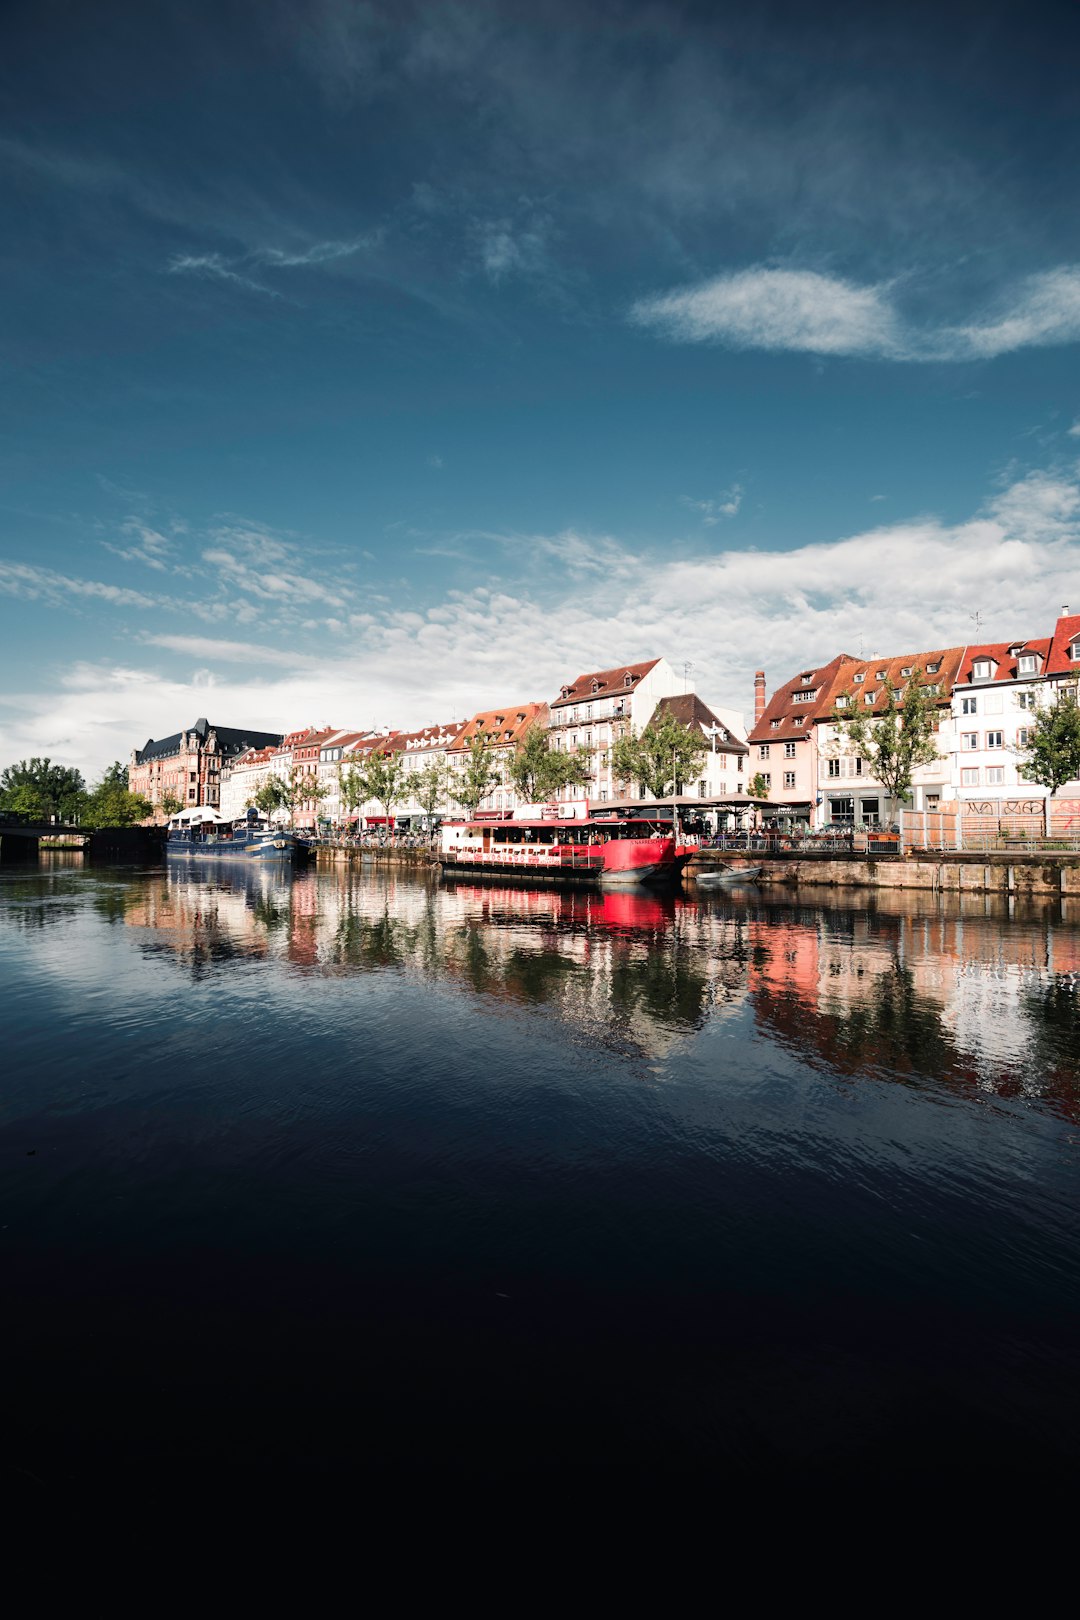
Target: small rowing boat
x=725 y=877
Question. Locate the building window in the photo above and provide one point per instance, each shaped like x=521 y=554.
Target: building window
x=858 y=767
x=1023 y=737
x=763 y=751
x=932 y=669
x=789 y=750
x=907 y=671
x=868 y=697
x=703 y=789
x=995 y=739
x=842 y=809
x=860 y=677
x=969 y=705
x=834 y=767
x=804 y=697
x=1028 y=664
x=995 y=775
x=969 y=777
x=1025 y=700
x=969 y=740
x=789 y=779
x=766 y=777
x=192 y=776
x=798 y=720
x=191 y=793
x=981 y=669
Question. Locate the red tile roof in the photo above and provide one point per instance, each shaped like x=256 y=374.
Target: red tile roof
x=841 y=675
x=607 y=682
x=407 y=742
x=501 y=726
x=1005 y=660
x=1066 y=631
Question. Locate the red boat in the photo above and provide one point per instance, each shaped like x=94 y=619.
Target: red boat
x=612 y=853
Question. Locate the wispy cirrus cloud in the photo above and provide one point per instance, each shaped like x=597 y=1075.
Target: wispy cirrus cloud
x=803 y=311
x=213 y=267
x=715 y=511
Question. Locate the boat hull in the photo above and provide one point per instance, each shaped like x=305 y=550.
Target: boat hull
x=284 y=848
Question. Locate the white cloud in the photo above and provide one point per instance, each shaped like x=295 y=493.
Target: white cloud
x=213 y=267
x=1074 y=431
x=23 y=579
x=803 y=311
x=905 y=586
x=714 y=511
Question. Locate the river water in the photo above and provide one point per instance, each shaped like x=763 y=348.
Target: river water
x=360 y=1171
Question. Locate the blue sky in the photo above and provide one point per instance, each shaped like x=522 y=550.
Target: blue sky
x=372 y=364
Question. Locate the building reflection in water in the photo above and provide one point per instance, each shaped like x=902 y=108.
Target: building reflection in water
x=911 y=989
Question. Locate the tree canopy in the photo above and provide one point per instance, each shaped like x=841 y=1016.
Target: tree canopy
x=39 y=788
x=661 y=757
x=1052 y=755
x=538 y=771
x=480 y=775
x=895 y=739
x=428 y=787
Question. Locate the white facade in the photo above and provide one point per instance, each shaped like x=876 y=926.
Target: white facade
x=991 y=717
x=241 y=779
x=595 y=711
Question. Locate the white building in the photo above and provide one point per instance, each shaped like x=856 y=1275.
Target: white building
x=597 y=708
x=241 y=779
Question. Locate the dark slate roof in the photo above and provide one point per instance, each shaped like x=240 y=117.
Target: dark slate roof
x=231 y=741
x=688 y=709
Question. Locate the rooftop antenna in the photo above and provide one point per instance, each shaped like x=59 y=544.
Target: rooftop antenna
x=976 y=619
x=687 y=667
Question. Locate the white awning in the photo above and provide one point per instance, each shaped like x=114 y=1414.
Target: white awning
x=199 y=814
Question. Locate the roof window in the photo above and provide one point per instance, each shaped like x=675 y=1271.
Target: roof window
x=861 y=676
x=932 y=669
x=628 y=679
x=981 y=669
x=906 y=670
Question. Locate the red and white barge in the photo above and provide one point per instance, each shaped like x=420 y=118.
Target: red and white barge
x=543 y=849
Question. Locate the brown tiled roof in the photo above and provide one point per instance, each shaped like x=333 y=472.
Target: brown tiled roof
x=826 y=681
x=503 y=726
x=427 y=737
x=1001 y=655
x=608 y=682
x=841 y=674
x=1065 y=633
x=689 y=710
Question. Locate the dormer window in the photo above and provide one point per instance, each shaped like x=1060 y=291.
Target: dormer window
x=1028 y=664
x=798 y=720
x=868 y=697
x=595 y=685
x=1074 y=651
x=775 y=724
x=932 y=669
x=860 y=677
x=808 y=678
x=881 y=674
x=906 y=671
x=980 y=670
x=628 y=680
x=841 y=702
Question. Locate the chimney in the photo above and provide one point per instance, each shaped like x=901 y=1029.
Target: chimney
x=759 y=696
x=1064 y=610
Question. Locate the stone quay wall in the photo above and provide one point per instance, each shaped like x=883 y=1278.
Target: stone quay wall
x=1042 y=876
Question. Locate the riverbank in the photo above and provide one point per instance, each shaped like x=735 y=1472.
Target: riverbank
x=1043 y=876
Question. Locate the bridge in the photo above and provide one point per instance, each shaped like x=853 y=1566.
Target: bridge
x=20 y=840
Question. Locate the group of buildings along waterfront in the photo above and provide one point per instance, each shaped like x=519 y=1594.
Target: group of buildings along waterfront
x=985 y=697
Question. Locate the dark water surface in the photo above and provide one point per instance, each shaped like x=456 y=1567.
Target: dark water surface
x=360 y=1173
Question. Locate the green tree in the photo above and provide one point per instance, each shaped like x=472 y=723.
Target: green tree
x=892 y=740
x=428 y=787
x=538 y=771
x=170 y=805
x=352 y=786
x=110 y=804
x=757 y=787
x=1052 y=755
x=661 y=757
x=480 y=775
x=384 y=779
x=269 y=796
x=59 y=789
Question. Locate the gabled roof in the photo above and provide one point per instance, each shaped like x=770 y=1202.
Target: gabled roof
x=503 y=726
x=825 y=681
x=428 y=737
x=938 y=668
x=689 y=710
x=1004 y=656
x=608 y=683
x=1066 y=632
